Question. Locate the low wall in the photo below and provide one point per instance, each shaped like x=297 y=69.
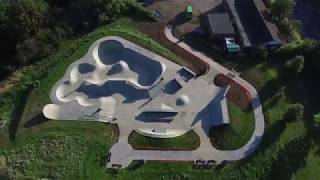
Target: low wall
x=237 y=93
x=194 y=63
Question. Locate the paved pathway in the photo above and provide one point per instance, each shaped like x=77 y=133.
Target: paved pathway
x=123 y=154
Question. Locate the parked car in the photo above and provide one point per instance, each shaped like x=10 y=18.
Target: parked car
x=231 y=45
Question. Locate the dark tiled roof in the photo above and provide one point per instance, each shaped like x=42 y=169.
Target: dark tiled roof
x=219 y=24
x=253 y=27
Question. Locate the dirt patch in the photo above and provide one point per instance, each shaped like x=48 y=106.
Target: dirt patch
x=8 y=83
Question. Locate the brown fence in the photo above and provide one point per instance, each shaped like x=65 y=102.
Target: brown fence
x=237 y=93
x=194 y=63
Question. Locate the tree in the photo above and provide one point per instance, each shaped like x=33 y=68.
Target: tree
x=316 y=120
x=255 y=77
x=282 y=9
x=27 y=50
x=39 y=46
x=295 y=65
x=28 y=15
x=260 y=52
x=294 y=113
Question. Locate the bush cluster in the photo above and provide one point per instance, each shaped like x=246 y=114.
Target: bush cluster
x=294 y=113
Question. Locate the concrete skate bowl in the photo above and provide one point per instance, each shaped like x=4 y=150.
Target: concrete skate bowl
x=125 y=61
x=128 y=92
x=114 y=69
x=67 y=90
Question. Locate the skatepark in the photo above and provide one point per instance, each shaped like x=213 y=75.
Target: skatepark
x=122 y=83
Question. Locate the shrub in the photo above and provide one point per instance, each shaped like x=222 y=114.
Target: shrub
x=5 y=71
x=260 y=52
x=295 y=65
x=282 y=8
x=294 y=113
x=316 y=120
x=28 y=15
x=255 y=77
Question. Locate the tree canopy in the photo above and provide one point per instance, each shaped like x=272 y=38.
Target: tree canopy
x=282 y=8
x=295 y=65
x=32 y=29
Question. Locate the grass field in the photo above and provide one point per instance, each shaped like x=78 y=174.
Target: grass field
x=188 y=141
x=237 y=133
x=312 y=167
x=74 y=150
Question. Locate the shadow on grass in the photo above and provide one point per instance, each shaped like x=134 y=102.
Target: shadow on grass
x=271 y=135
x=291 y=158
x=14 y=123
x=36 y=120
x=271 y=88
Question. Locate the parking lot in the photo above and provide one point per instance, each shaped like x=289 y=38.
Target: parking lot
x=174 y=10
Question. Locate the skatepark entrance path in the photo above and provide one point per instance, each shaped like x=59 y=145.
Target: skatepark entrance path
x=122 y=83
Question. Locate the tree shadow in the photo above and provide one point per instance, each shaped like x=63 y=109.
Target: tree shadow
x=15 y=121
x=136 y=165
x=178 y=20
x=270 y=89
x=271 y=135
x=291 y=158
x=36 y=120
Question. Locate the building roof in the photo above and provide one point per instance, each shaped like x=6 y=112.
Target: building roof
x=219 y=23
x=252 y=25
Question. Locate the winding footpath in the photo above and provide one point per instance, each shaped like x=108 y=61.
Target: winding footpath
x=256 y=137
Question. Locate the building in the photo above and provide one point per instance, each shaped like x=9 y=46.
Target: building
x=219 y=26
x=253 y=24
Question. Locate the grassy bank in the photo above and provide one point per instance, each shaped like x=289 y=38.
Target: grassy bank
x=37 y=141
x=188 y=141
x=237 y=133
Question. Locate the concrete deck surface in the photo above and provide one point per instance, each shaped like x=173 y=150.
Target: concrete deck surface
x=118 y=81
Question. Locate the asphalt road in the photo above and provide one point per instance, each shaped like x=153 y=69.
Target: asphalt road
x=305 y=12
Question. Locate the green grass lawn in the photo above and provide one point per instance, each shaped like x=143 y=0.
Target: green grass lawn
x=237 y=133
x=312 y=168
x=76 y=150
x=58 y=150
x=188 y=141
